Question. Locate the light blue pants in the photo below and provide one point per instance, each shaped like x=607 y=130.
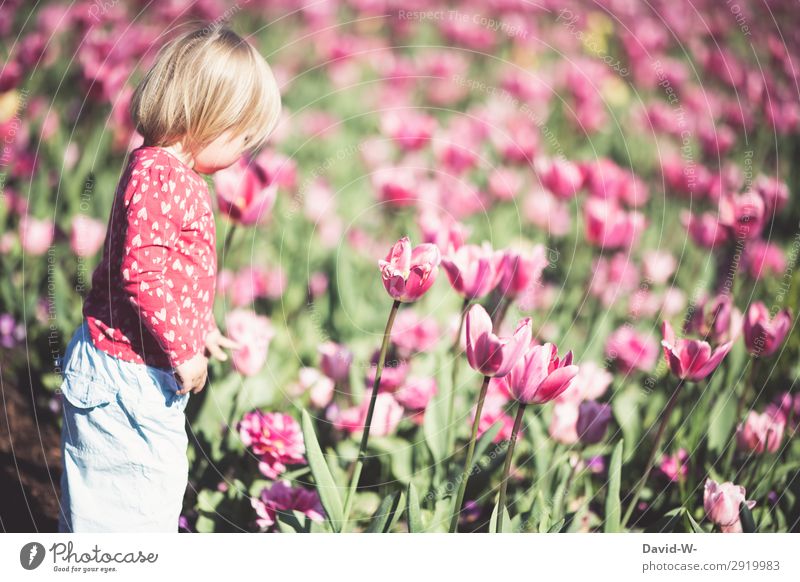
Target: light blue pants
x=123 y=443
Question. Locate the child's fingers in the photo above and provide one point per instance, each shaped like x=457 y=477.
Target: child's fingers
x=227 y=342
x=215 y=351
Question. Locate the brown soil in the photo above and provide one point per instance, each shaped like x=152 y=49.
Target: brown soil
x=30 y=460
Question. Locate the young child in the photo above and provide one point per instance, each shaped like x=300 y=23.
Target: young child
x=148 y=326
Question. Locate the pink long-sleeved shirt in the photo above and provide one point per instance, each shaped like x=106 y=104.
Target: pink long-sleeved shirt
x=152 y=293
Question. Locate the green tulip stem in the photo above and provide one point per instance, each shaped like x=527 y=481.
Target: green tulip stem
x=637 y=491
x=362 y=449
x=462 y=486
x=501 y=500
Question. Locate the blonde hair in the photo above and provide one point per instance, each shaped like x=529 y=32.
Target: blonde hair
x=203 y=83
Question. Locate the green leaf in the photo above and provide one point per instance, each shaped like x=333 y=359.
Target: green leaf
x=746 y=517
x=721 y=421
x=625 y=405
x=435 y=422
x=412 y=509
x=326 y=486
x=613 y=512
x=506 y=521
x=484 y=442
x=387 y=514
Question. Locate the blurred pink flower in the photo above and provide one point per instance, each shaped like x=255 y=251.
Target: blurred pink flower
x=35 y=235
x=763 y=335
x=275 y=438
x=716 y=320
x=416 y=393
x=254 y=332
x=563 y=423
x=561 y=177
x=705 y=230
x=674 y=466
x=387 y=415
x=742 y=214
x=658 y=266
x=774 y=193
x=608 y=226
x=520 y=272
x=762 y=258
x=407 y=274
x=491 y=355
x=721 y=503
x=335 y=360
x=281 y=496
x=547 y=212
x=474 y=270
x=319 y=387
x=245 y=192
x=413 y=335
x=441 y=229
x=632 y=350
x=410 y=129
x=591 y=383
x=87 y=235
x=761 y=432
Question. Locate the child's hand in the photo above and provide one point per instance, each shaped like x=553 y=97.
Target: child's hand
x=191 y=374
x=215 y=341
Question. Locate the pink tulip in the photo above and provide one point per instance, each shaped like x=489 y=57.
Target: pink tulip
x=35 y=235
x=387 y=415
x=613 y=277
x=335 y=361
x=416 y=393
x=547 y=212
x=691 y=359
x=407 y=274
x=632 y=350
x=245 y=192
x=762 y=258
x=742 y=214
x=411 y=130
x=561 y=177
x=442 y=230
x=774 y=193
x=717 y=320
x=674 y=466
x=761 y=432
x=658 y=266
x=705 y=230
x=721 y=503
x=539 y=375
x=491 y=355
x=396 y=186
x=413 y=335
x=563 y=423
x=394 y=372
x=521 y=273
x=608 y=226
x=764 y=335
x=274 y=437
x=504 y=183
x=474 y=270
x=319 y=387
x=254 y=333
x=591 y=383
x=87 y=235
x=281 y=496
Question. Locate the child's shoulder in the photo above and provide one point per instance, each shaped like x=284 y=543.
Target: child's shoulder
x=151 y=163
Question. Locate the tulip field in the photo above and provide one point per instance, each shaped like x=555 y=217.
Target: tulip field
x=503 y=266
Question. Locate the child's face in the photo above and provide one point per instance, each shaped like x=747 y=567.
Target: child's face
x=221 y=153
